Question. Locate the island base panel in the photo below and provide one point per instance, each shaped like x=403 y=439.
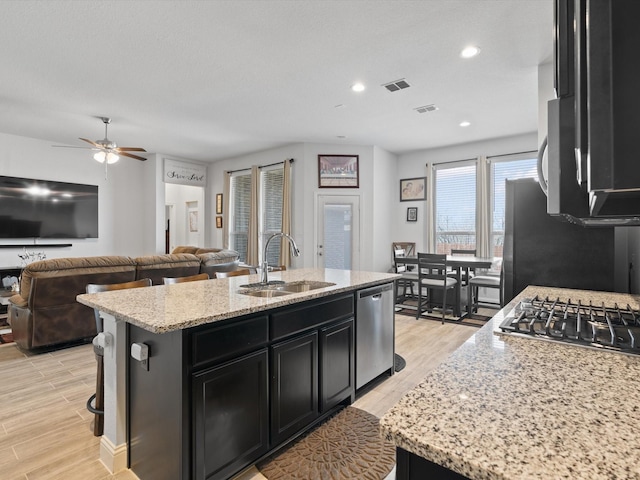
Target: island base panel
x=410 y=466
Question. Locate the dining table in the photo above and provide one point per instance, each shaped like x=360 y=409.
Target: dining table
x=459 y=263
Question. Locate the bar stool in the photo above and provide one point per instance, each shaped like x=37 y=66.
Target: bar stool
x=98 y=408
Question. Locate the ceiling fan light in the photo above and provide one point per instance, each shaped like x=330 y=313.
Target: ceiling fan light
x=112 y=158
x=100 y=157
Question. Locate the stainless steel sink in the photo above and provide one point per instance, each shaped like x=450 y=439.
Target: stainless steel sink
x=268 y=291
x=304 y=286
x=265 y=293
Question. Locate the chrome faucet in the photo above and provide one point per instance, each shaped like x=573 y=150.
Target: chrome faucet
x=265 y=267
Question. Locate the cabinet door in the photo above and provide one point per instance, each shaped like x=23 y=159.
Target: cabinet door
x=337 y=364
x=230 y=415
x=294 y=385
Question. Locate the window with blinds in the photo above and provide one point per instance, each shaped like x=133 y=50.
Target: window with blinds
x=271 y=188
x=239 y=210
x=507 y=168
x=455 y=206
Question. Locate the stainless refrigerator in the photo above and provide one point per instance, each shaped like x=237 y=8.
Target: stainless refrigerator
x=544 y=250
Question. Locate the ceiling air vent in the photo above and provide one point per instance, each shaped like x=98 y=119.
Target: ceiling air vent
x=426 y=108
x=396 y=85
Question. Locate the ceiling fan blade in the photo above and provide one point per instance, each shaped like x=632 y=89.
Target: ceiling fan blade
x=131 y=155
x=92 y=143
x=130 y=149
x=72 y=146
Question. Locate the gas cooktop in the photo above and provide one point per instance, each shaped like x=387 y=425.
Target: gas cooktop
x=612 y=328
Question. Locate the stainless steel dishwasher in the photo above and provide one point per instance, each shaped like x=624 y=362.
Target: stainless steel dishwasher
x=374 y=333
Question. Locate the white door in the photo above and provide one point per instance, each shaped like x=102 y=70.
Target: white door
x=338 y=239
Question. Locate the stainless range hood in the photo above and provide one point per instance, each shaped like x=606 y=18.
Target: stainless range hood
x=594 y=124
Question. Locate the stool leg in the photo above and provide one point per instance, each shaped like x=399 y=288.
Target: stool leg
x=98 y=423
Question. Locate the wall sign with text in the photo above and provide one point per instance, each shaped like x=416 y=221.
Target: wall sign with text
x=185 y=173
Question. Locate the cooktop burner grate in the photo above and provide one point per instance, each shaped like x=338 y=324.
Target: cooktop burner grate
x=615 y=328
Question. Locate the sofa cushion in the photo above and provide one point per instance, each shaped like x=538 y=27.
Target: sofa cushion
x=221 y=256
x=185 y=249
x=59 y=267
x=171 y=265
x=222 y=261
x=210 y=250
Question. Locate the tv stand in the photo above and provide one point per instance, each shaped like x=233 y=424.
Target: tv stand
x=38 y=245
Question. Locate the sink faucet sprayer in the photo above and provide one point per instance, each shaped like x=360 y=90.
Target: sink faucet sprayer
x=294 y=250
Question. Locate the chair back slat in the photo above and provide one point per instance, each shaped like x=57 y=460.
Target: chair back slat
x=97 y=288
x=190 y=278
x=432 y=266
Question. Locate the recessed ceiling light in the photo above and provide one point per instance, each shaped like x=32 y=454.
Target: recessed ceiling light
x=341 y=136
x=465 y=124
x=357 y=87
x=470 y=51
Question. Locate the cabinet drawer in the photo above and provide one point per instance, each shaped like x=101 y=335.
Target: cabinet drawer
x=231 y=339
x=310 y=316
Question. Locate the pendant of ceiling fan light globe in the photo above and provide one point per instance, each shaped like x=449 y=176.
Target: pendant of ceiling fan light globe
x=110 y=157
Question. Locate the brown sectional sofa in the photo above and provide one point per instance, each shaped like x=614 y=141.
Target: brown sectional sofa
x=45 y=312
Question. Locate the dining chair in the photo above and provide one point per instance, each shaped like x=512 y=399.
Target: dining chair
x=98 y=408
x=485 y=281
x=190 y=278
x=234 y=273
x=432 y=275
x=408 y=278
x=408 y=247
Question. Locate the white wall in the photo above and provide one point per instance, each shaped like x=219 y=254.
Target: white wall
x=132 y=200
x=305 y=191
x=385 y=197
x=414 y=165
x=121 y=201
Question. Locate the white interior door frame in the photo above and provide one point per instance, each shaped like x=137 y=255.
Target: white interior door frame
x=322 y=199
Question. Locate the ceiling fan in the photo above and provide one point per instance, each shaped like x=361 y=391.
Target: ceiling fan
x=108 y=150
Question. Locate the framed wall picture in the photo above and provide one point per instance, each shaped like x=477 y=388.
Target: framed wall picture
x=218 y=222
x=218 y=203
x=412 y=214
x=193 y=220
x=412 y=189
x=338 y=171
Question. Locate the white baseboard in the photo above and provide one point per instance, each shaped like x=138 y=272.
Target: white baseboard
x=113 y=457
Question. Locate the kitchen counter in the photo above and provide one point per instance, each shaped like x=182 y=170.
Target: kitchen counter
x=163 y=309
x=198 y=348
x=504 y=407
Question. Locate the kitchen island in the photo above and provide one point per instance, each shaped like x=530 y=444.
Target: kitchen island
x=230 y=376
x=504 y=407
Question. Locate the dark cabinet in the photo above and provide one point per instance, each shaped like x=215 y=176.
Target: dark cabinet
x=294 y=385
x=217 y=398
x=230 y=416
x=337 y=370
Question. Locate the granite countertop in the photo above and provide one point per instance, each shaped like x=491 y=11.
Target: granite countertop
x=504 y=407
x=166 y=308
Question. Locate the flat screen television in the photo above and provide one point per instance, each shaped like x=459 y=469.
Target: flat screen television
x=31 y=208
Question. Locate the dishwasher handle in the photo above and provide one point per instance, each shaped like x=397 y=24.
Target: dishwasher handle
x=375 y=292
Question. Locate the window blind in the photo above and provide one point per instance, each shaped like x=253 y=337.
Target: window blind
x=455 y=207
x=239 y=208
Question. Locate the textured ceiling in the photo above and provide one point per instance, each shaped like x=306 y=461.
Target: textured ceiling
x=208 y=80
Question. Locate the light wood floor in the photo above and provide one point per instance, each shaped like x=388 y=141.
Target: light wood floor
x=46 y=429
